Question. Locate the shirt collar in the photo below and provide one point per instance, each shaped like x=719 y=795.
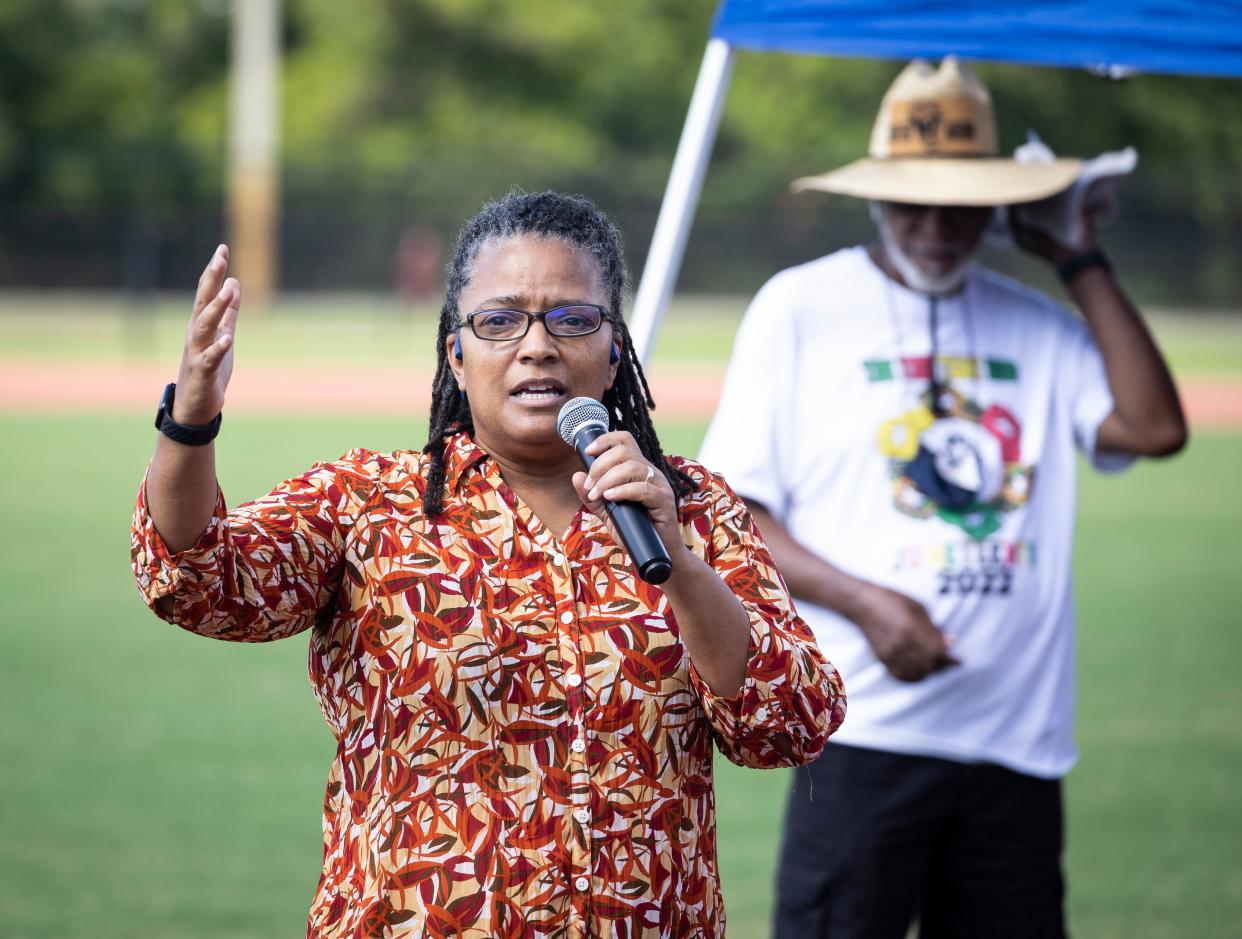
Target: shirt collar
x=461 y=453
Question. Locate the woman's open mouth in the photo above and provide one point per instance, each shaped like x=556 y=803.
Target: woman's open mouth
x=538 y=391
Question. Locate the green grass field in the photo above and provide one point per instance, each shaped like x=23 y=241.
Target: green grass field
x=161 y=785
x=156 y=784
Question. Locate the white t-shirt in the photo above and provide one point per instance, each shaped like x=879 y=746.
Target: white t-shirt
x=825 y=420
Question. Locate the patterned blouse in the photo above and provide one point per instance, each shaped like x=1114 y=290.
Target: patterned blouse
x=523 y=745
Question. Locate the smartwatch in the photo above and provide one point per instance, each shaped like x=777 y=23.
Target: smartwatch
x=1068 y=270
x=192 y=435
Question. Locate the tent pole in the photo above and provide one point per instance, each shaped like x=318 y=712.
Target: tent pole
x=685 y=182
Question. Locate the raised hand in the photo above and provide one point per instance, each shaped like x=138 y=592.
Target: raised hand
x=207 y=360
x=1039 y=243
x=181 y=482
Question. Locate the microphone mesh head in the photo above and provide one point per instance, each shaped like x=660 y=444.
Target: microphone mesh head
x=578 y=413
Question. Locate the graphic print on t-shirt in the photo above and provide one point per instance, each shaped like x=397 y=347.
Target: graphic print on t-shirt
x=963 y=466
x=989 y=566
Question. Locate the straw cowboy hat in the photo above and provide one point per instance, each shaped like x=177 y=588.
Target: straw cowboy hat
x=934 y=143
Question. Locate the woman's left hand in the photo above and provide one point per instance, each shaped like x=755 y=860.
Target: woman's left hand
x=621 y=473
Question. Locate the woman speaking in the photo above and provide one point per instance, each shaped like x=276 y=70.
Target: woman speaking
x=524 y=726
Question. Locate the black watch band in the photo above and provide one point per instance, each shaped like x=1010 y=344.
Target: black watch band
x=192 y=435
x=1068 y=270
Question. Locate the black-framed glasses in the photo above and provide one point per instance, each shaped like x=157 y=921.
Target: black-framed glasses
x=577 y=319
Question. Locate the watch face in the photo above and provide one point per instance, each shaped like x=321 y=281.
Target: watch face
x=166 y=403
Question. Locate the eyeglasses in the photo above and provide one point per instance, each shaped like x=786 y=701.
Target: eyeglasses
x=579 y=319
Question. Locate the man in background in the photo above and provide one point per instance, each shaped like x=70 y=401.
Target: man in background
x=903 y=424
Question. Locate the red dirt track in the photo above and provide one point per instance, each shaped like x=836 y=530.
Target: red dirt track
x=683 y=392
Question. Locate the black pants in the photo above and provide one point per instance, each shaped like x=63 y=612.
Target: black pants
x=875 y=841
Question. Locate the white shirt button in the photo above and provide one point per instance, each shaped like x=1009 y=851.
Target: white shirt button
x=574 y=680
x=567 y=617
x=582 y=883
x=578 y=746
x=582 y=815
x=558 y=559
x=761 y=714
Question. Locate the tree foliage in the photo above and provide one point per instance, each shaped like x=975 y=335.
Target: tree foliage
x=118 y=107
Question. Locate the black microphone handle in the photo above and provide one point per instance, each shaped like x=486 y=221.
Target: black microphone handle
x=633 y=524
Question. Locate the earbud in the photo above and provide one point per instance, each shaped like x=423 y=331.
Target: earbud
x=613 y=358
x=457 y=348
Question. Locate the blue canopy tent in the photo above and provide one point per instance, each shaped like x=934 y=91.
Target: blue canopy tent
x=1114 y=37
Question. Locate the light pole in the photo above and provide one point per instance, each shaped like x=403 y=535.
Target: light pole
x=254 y=183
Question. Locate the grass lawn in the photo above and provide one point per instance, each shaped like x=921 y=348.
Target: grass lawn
x=161 y=785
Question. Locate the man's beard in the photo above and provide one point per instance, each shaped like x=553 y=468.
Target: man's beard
x=915 y=279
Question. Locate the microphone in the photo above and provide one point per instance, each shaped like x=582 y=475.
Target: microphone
x=580 y=422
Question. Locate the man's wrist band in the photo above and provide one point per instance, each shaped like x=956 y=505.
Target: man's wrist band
x=192 y=435
x=1068 y=270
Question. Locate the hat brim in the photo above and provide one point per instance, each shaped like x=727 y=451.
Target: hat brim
x=978 y=181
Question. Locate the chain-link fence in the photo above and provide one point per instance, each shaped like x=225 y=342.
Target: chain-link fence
x=382 y=236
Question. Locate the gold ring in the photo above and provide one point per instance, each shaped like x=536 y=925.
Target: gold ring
x=650 y=474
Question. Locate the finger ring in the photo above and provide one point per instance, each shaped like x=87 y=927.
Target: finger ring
x=650 y=473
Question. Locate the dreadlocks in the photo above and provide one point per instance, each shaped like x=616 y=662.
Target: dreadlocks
x=578 y=222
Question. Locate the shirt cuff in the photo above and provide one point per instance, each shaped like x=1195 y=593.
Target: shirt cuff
x=159 y=572
x=750 y=708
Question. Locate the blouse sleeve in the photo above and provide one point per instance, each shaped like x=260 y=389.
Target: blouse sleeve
x=265 y=570
x=792 y=698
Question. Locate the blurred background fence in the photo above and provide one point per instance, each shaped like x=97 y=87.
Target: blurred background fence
x=398 y=117
x=386 y=235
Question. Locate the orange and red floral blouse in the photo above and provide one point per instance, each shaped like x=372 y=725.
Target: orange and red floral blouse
x=523 y=745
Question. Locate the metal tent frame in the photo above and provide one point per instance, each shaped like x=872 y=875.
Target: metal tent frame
x=1112 y=37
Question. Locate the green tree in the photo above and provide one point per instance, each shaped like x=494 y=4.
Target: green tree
x=419 y=109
